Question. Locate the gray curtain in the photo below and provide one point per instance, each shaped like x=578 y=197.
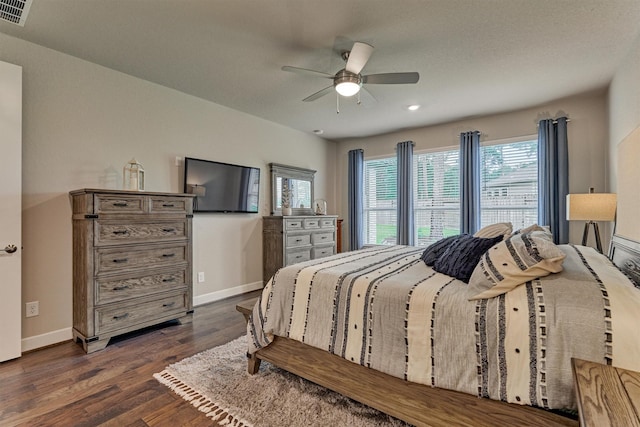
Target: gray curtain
x=355 y=194
x=469 y=182
x=404 y=154
x=553 y=177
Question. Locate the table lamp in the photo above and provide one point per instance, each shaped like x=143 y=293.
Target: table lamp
x=591 y=207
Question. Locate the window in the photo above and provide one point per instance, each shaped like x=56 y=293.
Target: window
x=509 y=183
x=436 y=195
x=509 y=191
x=380 y=201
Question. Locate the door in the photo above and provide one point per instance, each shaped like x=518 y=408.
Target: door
x=10 y=210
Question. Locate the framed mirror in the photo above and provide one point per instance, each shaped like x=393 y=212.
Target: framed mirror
x=292 y=184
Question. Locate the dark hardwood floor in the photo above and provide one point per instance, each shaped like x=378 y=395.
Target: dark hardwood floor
x=63 y=386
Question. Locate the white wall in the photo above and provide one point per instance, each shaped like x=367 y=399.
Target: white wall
x=624 y=118
x=624 y=98
x=83 y=122
x=587 y=133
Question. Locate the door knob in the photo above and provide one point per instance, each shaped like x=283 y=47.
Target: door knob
x=10 y=249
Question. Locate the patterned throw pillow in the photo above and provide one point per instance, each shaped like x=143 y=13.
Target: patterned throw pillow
x=520 y=258
x=462 y=255
x=534 y=227
x=433 y=251
x=495 y=230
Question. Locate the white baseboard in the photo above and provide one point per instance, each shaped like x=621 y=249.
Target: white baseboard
x=61 y=335
x=226 y=293
x=50 y=338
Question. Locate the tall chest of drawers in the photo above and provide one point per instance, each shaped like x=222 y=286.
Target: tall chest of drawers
x=288 y=240
x=131 y=262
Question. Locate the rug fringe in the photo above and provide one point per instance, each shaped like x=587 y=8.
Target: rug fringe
x=201 y=402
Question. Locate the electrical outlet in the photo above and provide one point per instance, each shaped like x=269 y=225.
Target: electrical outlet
x=201 y=277
x=33 y=309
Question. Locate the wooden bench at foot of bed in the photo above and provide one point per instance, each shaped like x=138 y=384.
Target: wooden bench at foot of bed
x=414 y=403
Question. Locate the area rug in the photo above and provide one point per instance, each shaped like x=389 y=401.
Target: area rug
x=217 y=383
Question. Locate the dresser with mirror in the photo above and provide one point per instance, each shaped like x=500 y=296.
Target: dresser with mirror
x=302 y=235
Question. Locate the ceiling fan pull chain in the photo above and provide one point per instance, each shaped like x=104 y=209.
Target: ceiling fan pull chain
x=337 y=103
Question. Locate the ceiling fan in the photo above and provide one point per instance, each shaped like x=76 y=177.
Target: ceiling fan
x=349 y=81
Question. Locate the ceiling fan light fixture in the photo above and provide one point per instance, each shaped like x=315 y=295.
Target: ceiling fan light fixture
x=346 y=83
x=347 y=88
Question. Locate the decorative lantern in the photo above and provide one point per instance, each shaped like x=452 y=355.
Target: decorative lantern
x=286 y=197
x=320 y=206
x=133 y=176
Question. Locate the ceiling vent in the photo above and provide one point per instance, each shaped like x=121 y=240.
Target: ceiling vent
x=14 y=11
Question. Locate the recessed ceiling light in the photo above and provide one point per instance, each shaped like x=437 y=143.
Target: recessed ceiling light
x=318 y=131
x=413 y=107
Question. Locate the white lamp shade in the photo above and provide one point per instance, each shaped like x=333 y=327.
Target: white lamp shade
x=347 y=88
x=198 y=190
x=591 y=207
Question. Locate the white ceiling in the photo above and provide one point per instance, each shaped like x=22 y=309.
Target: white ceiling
x=475 y=57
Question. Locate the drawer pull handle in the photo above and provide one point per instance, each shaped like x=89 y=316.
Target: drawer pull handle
x=121 y=260
x=121 y=288
x=323 y=237
x=120 y=317
x=168 y=255
x=168 y=305
x=298 y=240
x=121 y=204
x=168 y=205
x=299 y=256
x=168 y=230
x=170 y=279
x=120 y=232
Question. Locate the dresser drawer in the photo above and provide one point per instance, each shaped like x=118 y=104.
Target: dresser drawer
x=322 y=251
x=293 y=257
x=298 y=240
x=311 y=223
x=327 y=222
x=292 y=224
x=119 y=316
x=169 y=205
x=319 y=238
x=115 y=289
x=115 y=260
x=117 y=232
x=119 y=204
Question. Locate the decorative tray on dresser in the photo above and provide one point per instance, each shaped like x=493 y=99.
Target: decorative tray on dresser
x=288 y=240
x=131 y=262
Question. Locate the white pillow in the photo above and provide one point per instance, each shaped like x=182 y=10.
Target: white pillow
x=495 y=230
x=512 y=262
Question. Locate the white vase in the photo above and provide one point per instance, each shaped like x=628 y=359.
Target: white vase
x=286 y=211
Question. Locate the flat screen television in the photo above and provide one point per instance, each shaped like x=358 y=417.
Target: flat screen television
x=221 y=187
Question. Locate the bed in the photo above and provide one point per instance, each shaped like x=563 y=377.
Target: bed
x=382 y=327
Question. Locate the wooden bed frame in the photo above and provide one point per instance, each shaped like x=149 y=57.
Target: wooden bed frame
x=414 y=403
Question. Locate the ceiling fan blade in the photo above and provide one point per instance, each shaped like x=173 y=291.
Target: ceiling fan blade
x=358 y=57
x=366 y=97
x=318 y=94
x=304 y=71
x=391 y=78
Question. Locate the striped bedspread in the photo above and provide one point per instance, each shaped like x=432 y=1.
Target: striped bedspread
x=383 y=308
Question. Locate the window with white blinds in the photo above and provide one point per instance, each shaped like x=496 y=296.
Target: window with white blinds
x=509 y=183
x=380 y=201
x=509 y=192
x=436 y=195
